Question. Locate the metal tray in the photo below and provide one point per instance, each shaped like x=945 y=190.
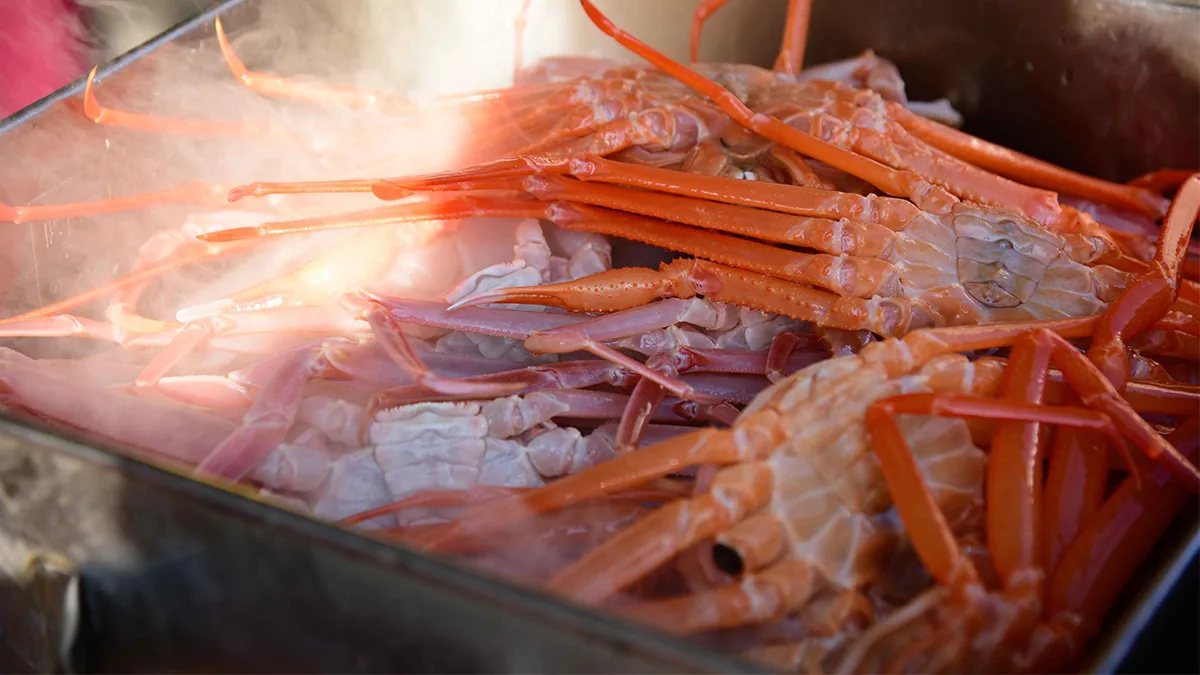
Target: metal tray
x=109 y=564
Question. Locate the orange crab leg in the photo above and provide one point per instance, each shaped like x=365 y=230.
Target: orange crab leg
x=1014 y=535
x=1149 y=297
x=165 y=125
x=189 y=193
x=1163 y=180
x=703 y=11
x=1033 y=171
x=801 y=201
x=795 y=37
x=460 y=206
x=1040 y=205
x=684 y=278
x=1077 y=479
x=706 y=446
x=823 y=234
x=1109 y=550
x=272 y=85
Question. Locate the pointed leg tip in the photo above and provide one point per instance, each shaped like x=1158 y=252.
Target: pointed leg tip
x=231 y=235
x=484 y=298
x=91 y=107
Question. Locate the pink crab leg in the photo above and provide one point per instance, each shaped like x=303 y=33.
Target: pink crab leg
x=181 y=433
x=368 y=366
x=267 y=422
x=204 y=391
x=191 y=193
x=397 y=346
x=562 y=375
x=506 y=323
x=63 y=325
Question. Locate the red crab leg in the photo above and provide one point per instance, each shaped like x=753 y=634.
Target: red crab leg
x=707 y=446
x=1032 y=171
x=1076 y=479
x=1039 y=205
x=190 y=193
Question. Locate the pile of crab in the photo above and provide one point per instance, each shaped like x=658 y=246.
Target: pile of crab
x=887 y=403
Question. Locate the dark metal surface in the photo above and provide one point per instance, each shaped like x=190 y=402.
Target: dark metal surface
x=1107 y=87
x=174 y=575
x=179 y=576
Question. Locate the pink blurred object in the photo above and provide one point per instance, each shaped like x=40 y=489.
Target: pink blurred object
x=40 y=50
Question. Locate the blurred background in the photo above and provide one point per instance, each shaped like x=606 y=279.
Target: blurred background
x=45 y=44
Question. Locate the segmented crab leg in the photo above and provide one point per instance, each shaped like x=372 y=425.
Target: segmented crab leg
x=1099 y=562
x=1028 y=169
x=1042 y=206
x=685 y=278
x=1076 y=480
x=795 y=33
x=795 y=37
